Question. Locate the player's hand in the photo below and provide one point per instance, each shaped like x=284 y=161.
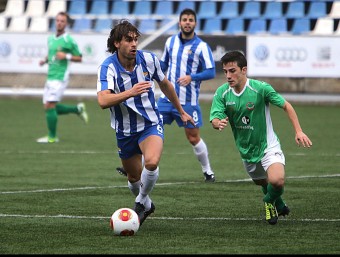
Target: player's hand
x=184 y=80
x=60 y=55
x=187 y=118
x=140 y=88
x=220 y=124
x=302 y=140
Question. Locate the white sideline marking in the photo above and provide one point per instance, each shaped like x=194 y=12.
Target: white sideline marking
x=158 y=184
x=158 y=218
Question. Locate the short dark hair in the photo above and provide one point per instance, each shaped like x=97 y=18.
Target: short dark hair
x=234 y=56
x=64 y=14
x=122 y=29
x=187 y=11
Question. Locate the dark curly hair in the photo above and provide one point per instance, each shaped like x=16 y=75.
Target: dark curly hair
x=122 y=29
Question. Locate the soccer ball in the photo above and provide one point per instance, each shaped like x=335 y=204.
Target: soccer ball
x=124 y=222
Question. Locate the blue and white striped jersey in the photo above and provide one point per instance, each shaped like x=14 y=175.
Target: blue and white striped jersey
x=186 y=58
x=139 y=112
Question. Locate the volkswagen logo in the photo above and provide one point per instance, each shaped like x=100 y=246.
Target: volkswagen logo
x=291 y=54
x=32 y=51
x=261 y=53
x=5 y=49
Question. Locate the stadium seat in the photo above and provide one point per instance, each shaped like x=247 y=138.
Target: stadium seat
x=147 y=26
x=38 y=24
x=212 y=26
x=173 y=29
x=120 y=8
x=82 y=25
x=103 y=25
x=228 y=10
x=18 y=24
x=278 y=26
x=335 y=10
x=142 y=8
x=317 y=10
x=251 y=10
x=323 y=26
x=56 y=6
x=301 y=26
x=207 y=9
x=337 y=31
x=273 y=10
x=35 y=8
x=164 y=8
x=77 y=8
x=3 y=23
x=257 y=26
x=235 y=26
x=185 y=4
x=99 y=7
x=295 y=10
x=14 y=8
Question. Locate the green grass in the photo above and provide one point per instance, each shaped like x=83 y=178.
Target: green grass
x=57 y=199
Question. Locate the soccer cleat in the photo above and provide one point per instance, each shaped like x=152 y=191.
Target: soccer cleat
x=82 y=112
x=285 y=211
x=47 y=139
x=121 y=171
x=271 y=213
x=140 y=210
x=152 y=210
x=209 y=177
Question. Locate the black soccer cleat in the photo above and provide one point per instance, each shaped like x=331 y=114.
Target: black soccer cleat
x=285 y=211
x=140 y=210
x=121 y=171
x=209 y=177
x=271 y=213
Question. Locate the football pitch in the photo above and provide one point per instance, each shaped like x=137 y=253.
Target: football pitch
x=58 y=198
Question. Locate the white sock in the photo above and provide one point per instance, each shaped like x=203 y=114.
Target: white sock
x=201 y=152
x=134 y=187
x=148 y=181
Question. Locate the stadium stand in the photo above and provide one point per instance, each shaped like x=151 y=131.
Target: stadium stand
x=229 y=13
x=39 y=24
x=324 y=26
x=147 y=25
x=103 y=25
x=257 y=26
x=82 y=25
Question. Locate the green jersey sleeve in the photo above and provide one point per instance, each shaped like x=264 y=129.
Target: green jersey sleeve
x=218 y=107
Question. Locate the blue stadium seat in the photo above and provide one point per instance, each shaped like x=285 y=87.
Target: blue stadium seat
x=147 y=26
x=82 y=25
x=273 y=10
x=185 y=4
x=99 y=7
x=164 y=8
x=103 y=25
x=142 y=8
x=212 y=26
x=120 y=7
x=207 y=9
x=77 y=7
x=295 y=10
x=251 y=10
x=235 y=26
x=257 y=25
x=228 y=10
x=301 y=26
x=173 y=29
x=278 y=26
x=317 y=10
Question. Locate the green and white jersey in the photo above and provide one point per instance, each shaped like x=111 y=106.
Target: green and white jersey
x=249 y=116
x=59 y=69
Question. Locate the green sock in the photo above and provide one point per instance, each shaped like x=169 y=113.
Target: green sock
x=52 y=119
x=66 y=109
x=272 y=194
x=279 y=203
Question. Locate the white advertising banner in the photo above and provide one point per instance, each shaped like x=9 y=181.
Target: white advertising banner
x=284 y=56
x=22 y=52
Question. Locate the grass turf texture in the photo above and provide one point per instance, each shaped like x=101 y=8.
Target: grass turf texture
x=58 y=198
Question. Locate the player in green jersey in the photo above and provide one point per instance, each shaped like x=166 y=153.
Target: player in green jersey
x=244 y=104
x=62 y=49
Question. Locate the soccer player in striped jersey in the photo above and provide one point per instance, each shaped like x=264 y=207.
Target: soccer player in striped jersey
x=244 y=104
x=62 y=50
x=188 y=60
x=125 y=85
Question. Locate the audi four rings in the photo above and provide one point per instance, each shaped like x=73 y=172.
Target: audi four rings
x=291 y=54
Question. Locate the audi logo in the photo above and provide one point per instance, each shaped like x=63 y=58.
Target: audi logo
x=291 y=54
x=32 y=51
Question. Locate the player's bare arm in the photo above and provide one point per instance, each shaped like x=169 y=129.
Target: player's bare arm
x=106 y=99
x=301 y=138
